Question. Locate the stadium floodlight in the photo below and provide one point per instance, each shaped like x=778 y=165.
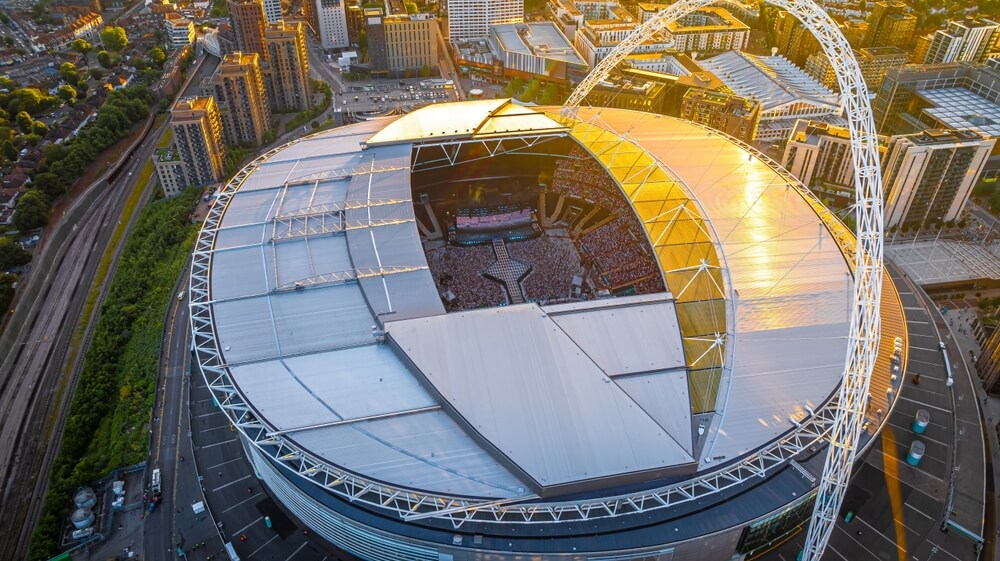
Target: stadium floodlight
x=865 y=325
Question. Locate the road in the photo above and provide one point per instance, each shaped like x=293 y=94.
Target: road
x=984 y=215
x=32 y=387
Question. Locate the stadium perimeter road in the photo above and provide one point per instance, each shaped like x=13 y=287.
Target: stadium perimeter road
x=214 y=471
x=899 y=509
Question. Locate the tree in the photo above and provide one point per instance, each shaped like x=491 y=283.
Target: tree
x=67 y=93
x=411 y=7
x=39 y=128
x=96 y=73
x=104 y=58
x=24 y=121
x=82 y=46
x=9 y=150
x=157 y=56
x=68 y=72
x=32 y=211
x=425 y=71
x=12 y=255
x=114 y=38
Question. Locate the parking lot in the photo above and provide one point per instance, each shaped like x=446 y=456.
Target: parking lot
x=385 y=96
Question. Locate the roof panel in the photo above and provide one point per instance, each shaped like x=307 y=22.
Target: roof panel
x=536 y=396
x=422 y=451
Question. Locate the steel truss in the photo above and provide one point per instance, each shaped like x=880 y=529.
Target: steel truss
x=414 y=505
x=865 y=326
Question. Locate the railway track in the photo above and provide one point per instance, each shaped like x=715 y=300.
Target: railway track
x=34 y=398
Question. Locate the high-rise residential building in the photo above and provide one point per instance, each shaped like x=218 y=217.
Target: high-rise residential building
x=288 y=66
x=331 y=16
x=889 y=25
x=179 y=30
x=874 y=62
x=626 y=90
x=819 y=155
x=399 y=44
x=854 y=31
x=247 y=17
x=471 y=19
x=988 y=361
x=238 y=87
x=169 y=171
x=792 y=39
x=197 y=129
x=967 y=40
x=921 y=45
x=929 y=176
x=272 y=11
x=734 y=115
x=598 y=38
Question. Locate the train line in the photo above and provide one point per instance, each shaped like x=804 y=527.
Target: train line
x=33 y=392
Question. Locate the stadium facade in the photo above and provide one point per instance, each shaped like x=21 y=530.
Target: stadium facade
x=676 y=416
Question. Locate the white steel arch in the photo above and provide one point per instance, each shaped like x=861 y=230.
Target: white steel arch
x=865 y=327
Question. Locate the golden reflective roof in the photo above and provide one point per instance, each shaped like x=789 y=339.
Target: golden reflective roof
x=683 y=245
x=483 y=118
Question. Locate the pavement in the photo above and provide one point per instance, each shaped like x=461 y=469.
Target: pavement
x=899 y=509
x=214 y=472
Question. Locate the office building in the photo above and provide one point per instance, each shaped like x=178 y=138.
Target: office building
x=272 y=11
x=238 y=87
x=792 y=39
x=402 y=44
x=819 y=155
x=630 y=89
x=471 y=19
x=169 y=171
x=179 y=30
x=287 y=71
x=889 y=25
x=967 y=40
x=951 y=96
x=709 y=29
x=988 y=363
x=597 y=38
x=734 y=115
x=785 y=91
x=331 y=18
x=247 y=17
x=197 y=129
x=929 y=176
x=531 y=50
x=874 y=62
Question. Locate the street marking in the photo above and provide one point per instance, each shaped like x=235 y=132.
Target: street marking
x=206 y=414
x=230 y=483
x=252 y=497
x=234 y=439
x=274 y=537
x=236 y=535
x=296 y=552
x=224 y=463
x=925 y=404
x=215 y=428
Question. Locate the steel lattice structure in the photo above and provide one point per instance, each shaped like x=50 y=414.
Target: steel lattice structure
x=865 y=326
x=412 y=505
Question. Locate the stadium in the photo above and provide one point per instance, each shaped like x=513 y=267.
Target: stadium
x=487 y=331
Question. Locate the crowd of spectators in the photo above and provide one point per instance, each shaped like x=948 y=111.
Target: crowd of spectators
x=459 y=270
x=554 y=262
x=620 y=251
x=579 y=176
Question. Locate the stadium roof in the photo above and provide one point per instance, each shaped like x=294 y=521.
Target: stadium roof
x=319 y=244
x=773 y=80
